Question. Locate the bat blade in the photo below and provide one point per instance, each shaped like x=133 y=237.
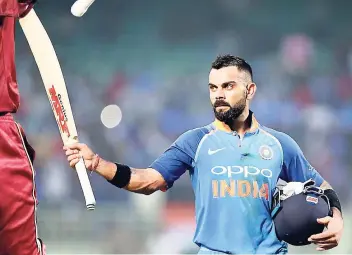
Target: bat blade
x=55 y=86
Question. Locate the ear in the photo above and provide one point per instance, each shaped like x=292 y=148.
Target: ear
x=251 y=89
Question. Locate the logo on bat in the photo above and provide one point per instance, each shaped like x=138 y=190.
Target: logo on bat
x=59 y=110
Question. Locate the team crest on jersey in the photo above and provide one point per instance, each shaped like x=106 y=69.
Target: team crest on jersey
x=311 y=199
x=266 y=152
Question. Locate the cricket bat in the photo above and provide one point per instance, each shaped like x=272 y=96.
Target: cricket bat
x=54 y=83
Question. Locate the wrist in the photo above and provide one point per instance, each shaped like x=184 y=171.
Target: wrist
x=122 y=175
x=336 y=212
x=95 y=162
x=335 y=205
x=106 y=169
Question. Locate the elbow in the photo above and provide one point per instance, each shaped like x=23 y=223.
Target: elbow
x=146 y=184
x=148 y=192
x=150 y=189
x=143 y=191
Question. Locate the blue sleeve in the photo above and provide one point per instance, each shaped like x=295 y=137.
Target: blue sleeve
x=179 y=157
x=296 y=167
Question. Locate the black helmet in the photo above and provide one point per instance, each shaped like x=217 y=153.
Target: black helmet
x=295 y=216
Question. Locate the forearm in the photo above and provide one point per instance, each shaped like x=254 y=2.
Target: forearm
x=143 y=181
x=106 y=169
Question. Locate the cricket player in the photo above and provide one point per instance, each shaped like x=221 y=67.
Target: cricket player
x=234 y=164
x=18 y=223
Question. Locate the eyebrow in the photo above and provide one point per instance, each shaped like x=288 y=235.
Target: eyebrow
x=223 y=84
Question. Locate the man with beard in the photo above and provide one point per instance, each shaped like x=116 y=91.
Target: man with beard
x=234 y=164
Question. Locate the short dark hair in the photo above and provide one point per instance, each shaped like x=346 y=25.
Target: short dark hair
x=230 y=60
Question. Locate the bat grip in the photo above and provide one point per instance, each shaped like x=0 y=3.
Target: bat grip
x=85 y=184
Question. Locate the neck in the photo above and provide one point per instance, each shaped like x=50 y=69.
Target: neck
x=240 y=125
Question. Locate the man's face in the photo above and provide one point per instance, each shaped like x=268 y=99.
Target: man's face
x=228 y=92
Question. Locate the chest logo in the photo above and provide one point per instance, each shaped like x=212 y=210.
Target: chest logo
x=211 y=152
x=266 y=152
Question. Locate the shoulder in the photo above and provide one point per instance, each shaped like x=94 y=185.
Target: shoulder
x=193 y=137
x=288 y=144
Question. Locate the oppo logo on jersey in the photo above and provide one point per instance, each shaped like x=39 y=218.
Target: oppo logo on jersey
x=245 y=170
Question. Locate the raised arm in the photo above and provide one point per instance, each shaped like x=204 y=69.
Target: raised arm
x=143 y=181
x=160 y=175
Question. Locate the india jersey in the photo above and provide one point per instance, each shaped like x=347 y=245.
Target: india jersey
x=234 y=180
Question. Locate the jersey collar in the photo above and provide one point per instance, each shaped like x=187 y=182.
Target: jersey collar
x=218 y=125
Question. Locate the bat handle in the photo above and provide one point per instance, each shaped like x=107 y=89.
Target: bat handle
x=85 y=184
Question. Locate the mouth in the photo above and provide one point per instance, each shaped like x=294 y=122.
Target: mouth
x=222 y=108
x=221 y=104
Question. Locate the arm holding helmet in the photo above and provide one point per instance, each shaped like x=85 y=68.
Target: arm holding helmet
x=296 y=168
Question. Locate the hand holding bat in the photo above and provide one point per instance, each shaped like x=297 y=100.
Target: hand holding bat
x=55 y=86
x=76 y=151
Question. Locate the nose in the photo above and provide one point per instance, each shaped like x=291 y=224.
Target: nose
x=220 y=97
x=219 y=94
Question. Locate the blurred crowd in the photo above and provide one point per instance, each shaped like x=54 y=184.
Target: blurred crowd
x=152 y=58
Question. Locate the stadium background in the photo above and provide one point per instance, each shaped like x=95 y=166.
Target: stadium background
x=151 y=58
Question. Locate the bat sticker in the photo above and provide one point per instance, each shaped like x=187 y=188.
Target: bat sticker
x=59 y=110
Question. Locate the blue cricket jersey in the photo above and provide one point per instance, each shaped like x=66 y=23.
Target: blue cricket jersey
x=233 y=181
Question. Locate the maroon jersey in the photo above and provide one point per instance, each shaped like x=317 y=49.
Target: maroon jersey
x=10 y=11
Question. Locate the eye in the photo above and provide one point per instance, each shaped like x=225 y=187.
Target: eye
x=212 y=88
x=230 y=86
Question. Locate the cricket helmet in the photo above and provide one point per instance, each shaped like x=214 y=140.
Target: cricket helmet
x=296 y=208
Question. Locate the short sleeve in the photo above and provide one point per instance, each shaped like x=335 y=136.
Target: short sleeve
x=296 y=167
x=179 y=157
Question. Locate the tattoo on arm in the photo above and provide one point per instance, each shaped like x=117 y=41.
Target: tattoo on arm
x=145 y=181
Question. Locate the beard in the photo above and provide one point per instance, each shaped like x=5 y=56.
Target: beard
x=231 y=114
